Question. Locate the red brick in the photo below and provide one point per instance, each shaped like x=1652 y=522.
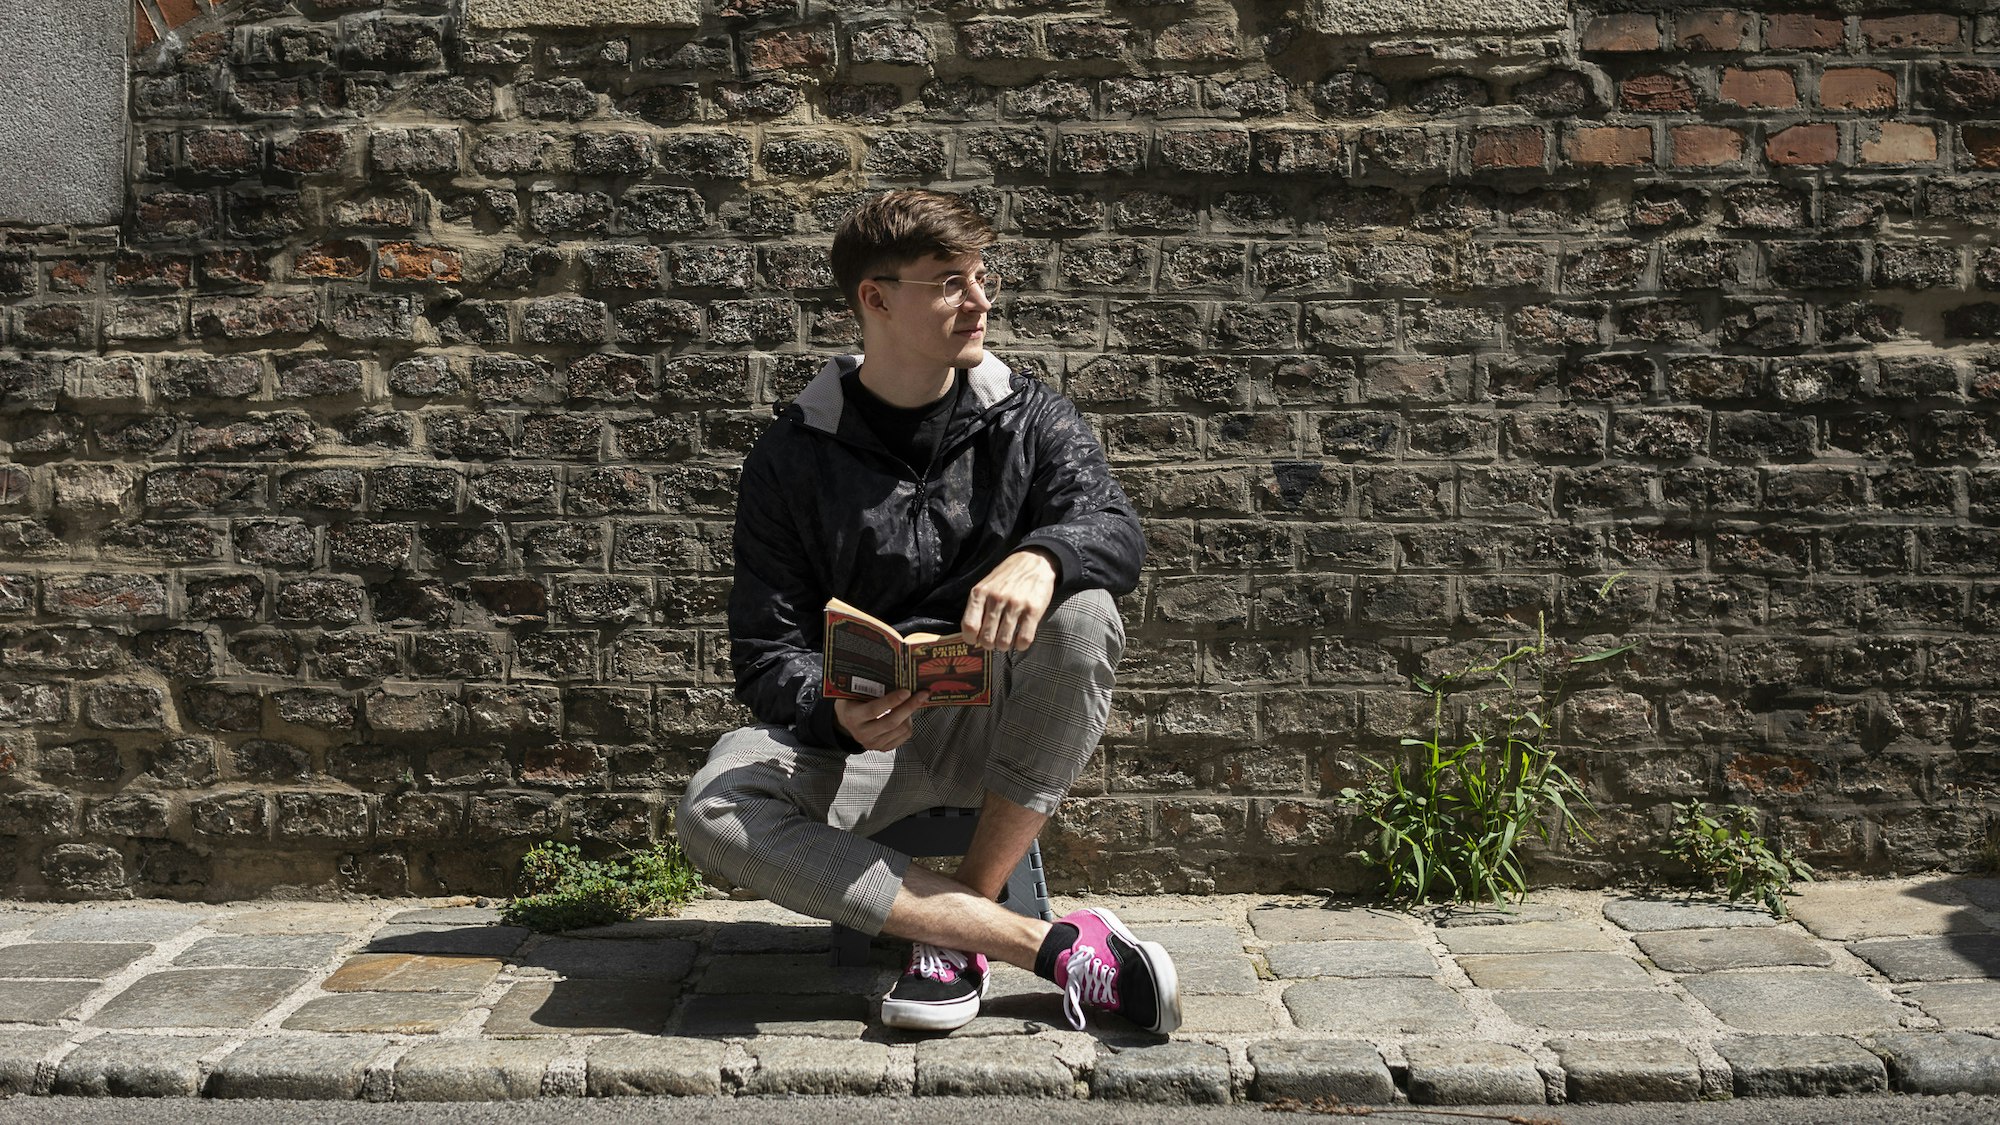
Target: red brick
x=1802 y=31
x=1513 y=146
x=347 y=259
x=1612 y=146
x=1625 y=31
x=179 y=12
x=1766 y=88
x=1900 y=142
x=1656 y=93
x=1803 y=144
x=408 y=261
x=142 y=26
x=1857 y=87
x=1931 y=29
x=1714 y=31
x=1982 y=143
x=150 y=271
x=1706 y=146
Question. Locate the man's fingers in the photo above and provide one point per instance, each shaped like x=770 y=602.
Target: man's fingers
x=1024 y=633
x=975 y=612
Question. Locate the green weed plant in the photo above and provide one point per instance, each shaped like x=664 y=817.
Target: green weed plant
x=1727 y=849
x=559 y=889
x=1451 y=829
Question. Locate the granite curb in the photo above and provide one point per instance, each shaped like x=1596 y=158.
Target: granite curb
x=1578 y=997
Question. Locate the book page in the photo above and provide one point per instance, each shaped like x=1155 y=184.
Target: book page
x=861 y=663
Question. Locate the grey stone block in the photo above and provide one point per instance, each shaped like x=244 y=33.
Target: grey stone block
x=270 y=951
x=1169 y=1074
x=817 y=1066
x=583 y=13
x=786 y=973
x=21 y=1055
x=830 y=1016
x=1633 y=1070
x=1643 y=915
x=581 y=1007
x=151 y=925
x=1316 y=1070
x=1213 y=975
x=1858 y=910
x=770 y=937
x=1317 y=923
x=64 y=86
x=296 y=1068
x=389 y=1013
x=1596 y=1011
x=1008 y=1065
x=1528 y=937
x=43 y=1001
x=1793 y=1066
x=1707 y=951
x=1513 y=914
x=135 y=1066
x=596 y=959
x=650 y=1065
x=1947 y=957
x=465 y=941
x=69 y=960
x=1809 y=1000
x=1593 y=972
x=412 y=972
x=474 y=1070
x=1959 y=1005
x=1365 y=17
x=1940 y=1062
x=1472 y=1072
x=1376 y=1007
x=199 y=998
x=447 y=916
x=1351 y=959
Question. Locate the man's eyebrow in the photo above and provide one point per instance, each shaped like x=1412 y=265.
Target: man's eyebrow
x=953 y=271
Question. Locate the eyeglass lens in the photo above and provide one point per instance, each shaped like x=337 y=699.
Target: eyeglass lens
x=954 y=289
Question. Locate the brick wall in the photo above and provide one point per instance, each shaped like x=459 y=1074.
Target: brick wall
x=365 y=496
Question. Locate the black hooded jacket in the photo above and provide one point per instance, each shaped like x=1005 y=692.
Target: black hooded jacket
x=826 y=511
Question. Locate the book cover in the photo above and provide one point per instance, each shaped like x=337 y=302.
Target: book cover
x=866 y=657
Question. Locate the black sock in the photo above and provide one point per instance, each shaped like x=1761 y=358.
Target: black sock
x=1061 y=936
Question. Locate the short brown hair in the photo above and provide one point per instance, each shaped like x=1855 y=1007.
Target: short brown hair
x=892 y=230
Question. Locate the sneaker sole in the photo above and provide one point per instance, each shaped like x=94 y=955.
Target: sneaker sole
x=1166 y=980
x=906 y=1015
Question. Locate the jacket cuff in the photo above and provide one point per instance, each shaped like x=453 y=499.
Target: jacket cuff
x=820 y=727
x=1069 y=564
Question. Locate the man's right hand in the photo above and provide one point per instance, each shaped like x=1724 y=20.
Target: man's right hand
x=879 y=724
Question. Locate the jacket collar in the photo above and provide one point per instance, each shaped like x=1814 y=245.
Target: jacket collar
x=823 y=402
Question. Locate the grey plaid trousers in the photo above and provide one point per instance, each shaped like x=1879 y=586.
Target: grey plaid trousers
x=790 y=822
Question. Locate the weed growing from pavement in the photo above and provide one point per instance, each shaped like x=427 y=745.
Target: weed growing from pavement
x=561 y=890
x=1451 y=829
x=1727 y=849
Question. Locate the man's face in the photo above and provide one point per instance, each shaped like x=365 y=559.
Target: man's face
x=925 y=325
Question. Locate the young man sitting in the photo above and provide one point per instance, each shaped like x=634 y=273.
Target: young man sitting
x=931 y=486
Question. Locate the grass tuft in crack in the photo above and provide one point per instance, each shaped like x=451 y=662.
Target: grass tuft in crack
x=558 y=889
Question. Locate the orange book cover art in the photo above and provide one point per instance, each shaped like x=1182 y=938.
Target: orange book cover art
x=866 y=657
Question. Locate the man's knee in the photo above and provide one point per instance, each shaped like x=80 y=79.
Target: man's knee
x=708 y=820
x=1083 y=627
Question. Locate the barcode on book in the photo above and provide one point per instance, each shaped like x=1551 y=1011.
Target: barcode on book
x=864 y=686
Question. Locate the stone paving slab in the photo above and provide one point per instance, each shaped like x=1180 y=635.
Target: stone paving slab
x=1613 y=1010
x=1951 y=957
x=589 y=958
x=1351 y=1007
x=1800 y=1066
x=1808 y=1000
x=21 y=1055
x=817 y=1066
x=581 y=1007
x=1528 y=937
x=1351 y=959
x=1317 y=923
x=200 y=998
x=135 y=1066
x=1014 y=1066
x=130 y=924
x=298 y=1068
x=1959 y=1005
x=1634 y=1070
x=1645 y=915
x=1593 y=972
x=461 y=941
x=297 y=918
x=651 y=1065
x=1315 y=1070
x=386 y=1013
x=1472 y=1072
x=1707 y=951
x=412 y=972
x=474 y=1070
x=1940 y=1062
x=1168 y=1074
x=68 y=960
x=797 y=973
x=833 y=1016
x=1860 y=910
x=268 y=951
x=43 y=1001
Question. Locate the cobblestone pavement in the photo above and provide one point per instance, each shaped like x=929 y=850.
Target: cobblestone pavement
x=1578 y=996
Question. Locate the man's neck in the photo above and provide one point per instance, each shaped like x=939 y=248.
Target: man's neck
x=905 y=385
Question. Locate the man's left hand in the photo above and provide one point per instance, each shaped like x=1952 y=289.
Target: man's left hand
x=1009 y=602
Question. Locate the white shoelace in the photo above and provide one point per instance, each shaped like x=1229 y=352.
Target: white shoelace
x=931 y=960
x=1089 y=982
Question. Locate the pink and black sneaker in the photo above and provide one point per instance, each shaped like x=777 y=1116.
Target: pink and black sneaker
x=938 y=991
x=1106 y=967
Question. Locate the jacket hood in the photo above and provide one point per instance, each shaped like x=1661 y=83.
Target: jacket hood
x=821 y=403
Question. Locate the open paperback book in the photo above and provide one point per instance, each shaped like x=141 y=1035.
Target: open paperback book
x=867 y=658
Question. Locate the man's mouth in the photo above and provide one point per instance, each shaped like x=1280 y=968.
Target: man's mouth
x=975 y=330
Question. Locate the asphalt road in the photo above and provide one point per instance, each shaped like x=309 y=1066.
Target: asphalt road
x=1887 y=1110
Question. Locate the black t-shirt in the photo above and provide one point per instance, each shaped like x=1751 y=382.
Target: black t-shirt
x=912 y=433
